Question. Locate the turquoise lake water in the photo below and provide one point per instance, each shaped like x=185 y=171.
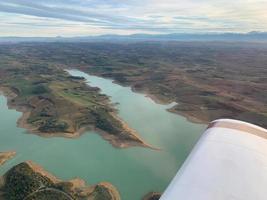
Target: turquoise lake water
x=134 y=171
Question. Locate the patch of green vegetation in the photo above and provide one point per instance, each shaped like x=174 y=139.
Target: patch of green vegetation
x=39 y=89
x=101 y=193
x=25 y=182
x=53 y=126
x=80 y=96
x=48 y=195
x=21 y=181
x=23 y=87
x=57 y=102
x=106 y=122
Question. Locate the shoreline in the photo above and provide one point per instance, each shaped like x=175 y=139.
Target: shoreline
x=133 y=89
x=188 y=117
x=133 y=132
x=42 y=171
x=159 y=101
x=5 y=156
x=113 y=140
x=153 y=97
x=78 y=186
x=77 y=183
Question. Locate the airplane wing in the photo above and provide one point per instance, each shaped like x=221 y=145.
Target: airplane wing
x=228 y=163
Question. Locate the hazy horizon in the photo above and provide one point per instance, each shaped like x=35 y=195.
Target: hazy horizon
x=72 y=18
x=136 y=34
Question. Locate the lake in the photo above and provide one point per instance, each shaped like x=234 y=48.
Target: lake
x=134 y=171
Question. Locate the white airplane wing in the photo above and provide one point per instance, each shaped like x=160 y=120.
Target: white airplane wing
x=228 y=163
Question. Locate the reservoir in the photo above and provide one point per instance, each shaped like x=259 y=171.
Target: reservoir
x=134 y=171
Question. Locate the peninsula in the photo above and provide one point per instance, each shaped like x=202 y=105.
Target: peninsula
x=54 y=103
x=29 y=181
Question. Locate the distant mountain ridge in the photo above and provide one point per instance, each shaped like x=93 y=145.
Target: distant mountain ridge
x=251 y=36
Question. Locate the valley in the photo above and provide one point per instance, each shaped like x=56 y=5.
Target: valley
x=208 y=80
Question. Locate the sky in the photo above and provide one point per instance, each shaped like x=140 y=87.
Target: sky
x=97 y=17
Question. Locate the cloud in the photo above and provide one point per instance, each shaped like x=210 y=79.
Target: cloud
x=38 y=10
x=146 y=16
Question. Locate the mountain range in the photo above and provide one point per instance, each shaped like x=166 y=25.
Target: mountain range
x=251 y=37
